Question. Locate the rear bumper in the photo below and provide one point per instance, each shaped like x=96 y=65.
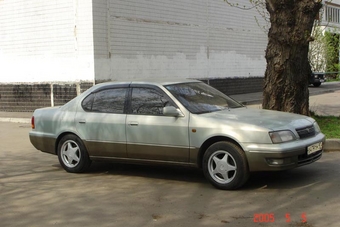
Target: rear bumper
x=43 y=142
x=286 y=155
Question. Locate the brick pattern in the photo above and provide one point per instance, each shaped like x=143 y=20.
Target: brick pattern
x=85 y=86
x=28 y=97
x=234 y=86
x=63 y=93
x=24 y=97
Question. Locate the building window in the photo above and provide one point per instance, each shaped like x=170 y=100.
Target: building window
x=332 y=14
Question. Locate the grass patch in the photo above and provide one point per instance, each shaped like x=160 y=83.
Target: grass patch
x=330 y=126
x=333 y=80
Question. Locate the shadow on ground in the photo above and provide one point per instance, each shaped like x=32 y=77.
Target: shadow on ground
x=295 y=178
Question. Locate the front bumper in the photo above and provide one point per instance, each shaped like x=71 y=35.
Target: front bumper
x=317 y=78
x=274 y=157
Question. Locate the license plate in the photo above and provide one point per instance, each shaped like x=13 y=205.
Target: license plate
x=322 y=81
x=314 y=148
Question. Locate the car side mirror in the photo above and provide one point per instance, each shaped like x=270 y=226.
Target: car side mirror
x=172 y=111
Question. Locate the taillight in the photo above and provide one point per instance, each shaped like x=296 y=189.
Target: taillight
x=32 y=122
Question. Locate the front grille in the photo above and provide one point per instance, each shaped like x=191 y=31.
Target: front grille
x=306 y=132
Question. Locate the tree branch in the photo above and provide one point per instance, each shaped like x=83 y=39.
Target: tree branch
x=271 y=5
x=236 y=5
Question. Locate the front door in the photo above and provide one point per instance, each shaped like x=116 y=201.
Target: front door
x=150 y=134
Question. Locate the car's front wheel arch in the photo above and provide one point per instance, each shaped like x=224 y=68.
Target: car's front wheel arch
x=225 y=165
x=317 y=84
x=208 y=143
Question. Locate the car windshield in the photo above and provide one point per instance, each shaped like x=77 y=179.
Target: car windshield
x=201 y=98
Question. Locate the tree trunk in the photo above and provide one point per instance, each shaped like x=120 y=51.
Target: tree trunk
x=286 y=77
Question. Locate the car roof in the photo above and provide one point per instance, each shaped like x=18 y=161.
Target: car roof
x=151 y=81
x=147 y=81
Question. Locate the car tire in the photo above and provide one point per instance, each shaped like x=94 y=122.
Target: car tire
x=72 y=154
x=225 y=165
x=317 y=84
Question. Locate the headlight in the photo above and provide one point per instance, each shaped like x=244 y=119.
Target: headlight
x=281 y=136
x=316 y=128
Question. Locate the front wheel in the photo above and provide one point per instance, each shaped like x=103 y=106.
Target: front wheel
x=317 y=84
x=72 y=154
x=225 y=165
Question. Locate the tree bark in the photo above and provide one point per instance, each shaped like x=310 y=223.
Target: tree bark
x=286 y=76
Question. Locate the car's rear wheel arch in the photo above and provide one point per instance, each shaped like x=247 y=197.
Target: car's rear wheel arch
x=208 y=143
x=59 y=138
x=72 y=153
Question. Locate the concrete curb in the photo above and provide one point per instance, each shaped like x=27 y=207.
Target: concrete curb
x=15 y=120
x=332 y=145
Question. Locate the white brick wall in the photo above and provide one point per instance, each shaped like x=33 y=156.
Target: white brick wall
x=58 y=40
x=46 y=40
x=191 y=38
x=100 y=28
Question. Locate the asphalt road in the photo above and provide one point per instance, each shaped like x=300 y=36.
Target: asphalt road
x=324 y=87
x=36 y=191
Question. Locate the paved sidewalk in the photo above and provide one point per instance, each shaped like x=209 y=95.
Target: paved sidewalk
x=324 y=104
x=16 y=117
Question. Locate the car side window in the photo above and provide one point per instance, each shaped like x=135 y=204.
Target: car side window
x=106 y=101
x=87 y=102
x=149 y=101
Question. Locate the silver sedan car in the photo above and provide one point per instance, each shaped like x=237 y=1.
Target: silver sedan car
x=183 y=122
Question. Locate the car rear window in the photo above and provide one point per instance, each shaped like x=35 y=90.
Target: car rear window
x=106 y=101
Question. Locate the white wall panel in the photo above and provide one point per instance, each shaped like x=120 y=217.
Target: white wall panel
x=46 y=40
x=71 y=40
x=160 y=38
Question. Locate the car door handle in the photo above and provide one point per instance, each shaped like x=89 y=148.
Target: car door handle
x=82 y=121
x=133 y=123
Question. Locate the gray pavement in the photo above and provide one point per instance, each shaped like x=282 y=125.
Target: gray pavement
x=36 y=192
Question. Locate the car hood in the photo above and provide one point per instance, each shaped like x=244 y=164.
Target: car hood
x=272 y=120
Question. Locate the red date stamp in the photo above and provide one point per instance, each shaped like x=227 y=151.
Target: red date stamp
x=270 y=217
x=264 y=217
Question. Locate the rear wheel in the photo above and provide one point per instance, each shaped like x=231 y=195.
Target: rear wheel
x=225 y=165
x=72 y=154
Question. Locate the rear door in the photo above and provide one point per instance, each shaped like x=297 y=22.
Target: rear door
x=101 y=122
